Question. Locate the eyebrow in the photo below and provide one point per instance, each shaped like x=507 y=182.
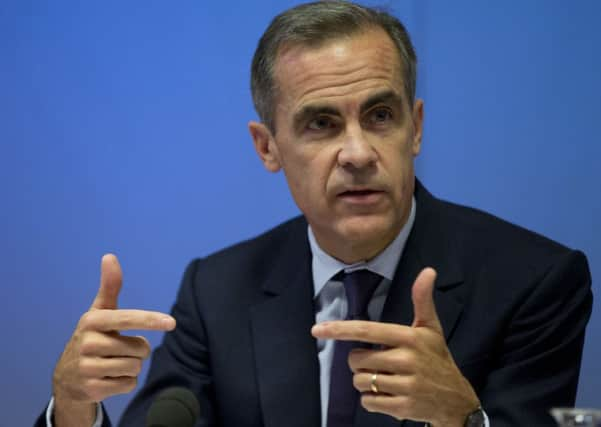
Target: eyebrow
x=384 y=97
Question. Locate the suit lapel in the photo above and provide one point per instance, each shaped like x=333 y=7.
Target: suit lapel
x=430 y=244
x=285 y=352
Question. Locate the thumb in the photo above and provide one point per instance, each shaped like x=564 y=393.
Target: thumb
x=423 y=301
x=111 y=279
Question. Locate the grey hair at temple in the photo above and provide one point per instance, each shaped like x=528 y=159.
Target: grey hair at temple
x=312 y=25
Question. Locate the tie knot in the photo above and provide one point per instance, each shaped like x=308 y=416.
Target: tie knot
x=359 y=286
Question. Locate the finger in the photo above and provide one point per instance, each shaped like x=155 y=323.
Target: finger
x=392 y=361
x=126 y=320
x=104 y=345
x=99 y=389
x=111 y=279
x=423 y=301
x=399 y=407
x=393 y=385
x=387 y=334
x=99 y=367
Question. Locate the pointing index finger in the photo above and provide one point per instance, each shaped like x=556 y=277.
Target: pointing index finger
x=127 y=320
x=390 y=335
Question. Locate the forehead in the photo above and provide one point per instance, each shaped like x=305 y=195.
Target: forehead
x=344 y=69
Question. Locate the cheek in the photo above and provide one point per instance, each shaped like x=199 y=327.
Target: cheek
x=397 y=160
x=308 y=179
x=398 y=170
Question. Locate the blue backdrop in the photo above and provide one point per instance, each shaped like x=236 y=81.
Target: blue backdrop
x=123 y=128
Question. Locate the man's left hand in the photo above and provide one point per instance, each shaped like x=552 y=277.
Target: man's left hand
x=416 y=376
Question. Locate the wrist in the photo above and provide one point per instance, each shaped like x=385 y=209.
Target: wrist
x=69 y=413
x=460 y=417
x=472 y=410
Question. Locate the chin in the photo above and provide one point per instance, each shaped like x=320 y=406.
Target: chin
x=363 y=230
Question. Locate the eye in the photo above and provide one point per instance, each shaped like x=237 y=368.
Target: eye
x=379 y=115
x=321 y=123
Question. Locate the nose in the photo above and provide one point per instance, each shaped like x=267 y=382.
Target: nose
x=356 y=151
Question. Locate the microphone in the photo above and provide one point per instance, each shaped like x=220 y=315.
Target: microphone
x=174 y=407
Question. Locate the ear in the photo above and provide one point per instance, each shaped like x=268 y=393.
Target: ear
x=265 y=146
x=418 y=121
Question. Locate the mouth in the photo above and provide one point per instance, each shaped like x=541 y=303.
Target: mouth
x=361 y=197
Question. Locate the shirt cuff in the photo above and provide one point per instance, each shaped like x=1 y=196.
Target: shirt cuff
x=486 y=422
x=97 y=422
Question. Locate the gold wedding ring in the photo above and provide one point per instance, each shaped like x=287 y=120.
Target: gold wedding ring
x=373 y=385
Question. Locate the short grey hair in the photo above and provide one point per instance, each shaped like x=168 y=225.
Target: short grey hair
x=314 y=24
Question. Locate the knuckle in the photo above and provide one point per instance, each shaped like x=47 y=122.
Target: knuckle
x=411 y=358
x=406 y=404
x=150 y=320
x=126 y=319
x=92 y=390
x=145 y=350
x=357 y=382
x=86 y=320
x=362 y=331
x=137 y=368
x=411 y=338
x=406 y=358
x=139 y=347
x=357 y=357
x=411 y=383
x=350 y=359
x=131 y=384
x=88 y=346
x=86 y=367
x=88 y=385
x=401 y=407
x=367 y=402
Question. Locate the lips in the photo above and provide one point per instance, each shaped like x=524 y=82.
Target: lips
x=358 y=192
x=361 y=196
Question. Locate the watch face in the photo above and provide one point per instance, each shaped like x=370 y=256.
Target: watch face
x=475 y=419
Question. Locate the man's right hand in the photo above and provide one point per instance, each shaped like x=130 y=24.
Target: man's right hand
x=98 y=361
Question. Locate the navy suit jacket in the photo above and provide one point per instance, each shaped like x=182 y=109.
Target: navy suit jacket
x=513 y=306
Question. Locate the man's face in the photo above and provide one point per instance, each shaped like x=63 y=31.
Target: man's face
x=346 y=137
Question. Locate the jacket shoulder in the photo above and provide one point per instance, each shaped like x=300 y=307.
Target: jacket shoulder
x=266 y=244
x=245 y=265
x=476 y=227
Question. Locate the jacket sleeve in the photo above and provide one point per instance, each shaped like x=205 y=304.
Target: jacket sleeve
x=538 y=361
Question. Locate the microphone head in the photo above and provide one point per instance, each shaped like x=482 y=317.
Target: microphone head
x=174 y=407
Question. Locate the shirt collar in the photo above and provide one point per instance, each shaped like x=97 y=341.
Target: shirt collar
x=325 y=266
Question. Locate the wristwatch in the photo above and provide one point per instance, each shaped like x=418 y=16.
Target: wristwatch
x=475 y=419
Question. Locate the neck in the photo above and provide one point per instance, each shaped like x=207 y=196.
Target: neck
x=354 y=244
x=353 y=250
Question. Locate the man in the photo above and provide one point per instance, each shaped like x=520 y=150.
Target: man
x=468 y=321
